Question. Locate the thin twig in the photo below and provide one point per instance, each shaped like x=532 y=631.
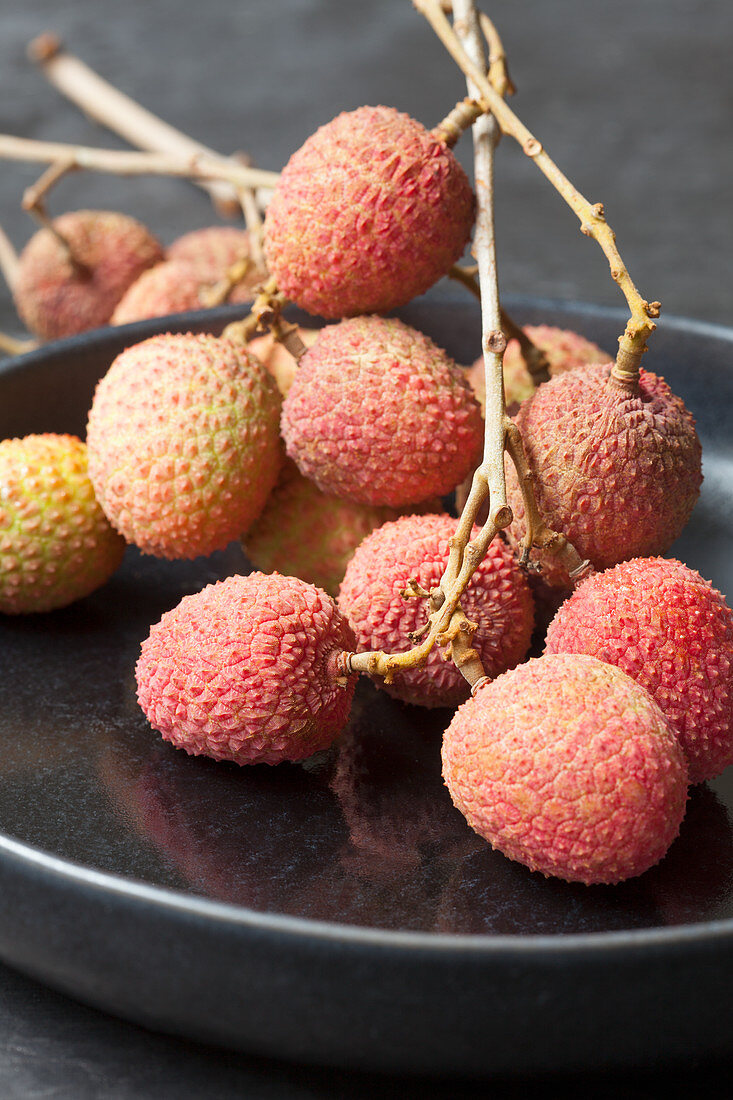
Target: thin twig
x=632 y=343
x=12 y=346
x=115 y=110
x=8 y=259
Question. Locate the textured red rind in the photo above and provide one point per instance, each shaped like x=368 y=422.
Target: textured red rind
x=183 y=443
x=55 y=542
x=212 y=251
x=54 y=298
x=618 y=475
x=379 y=414
x=171 y=287
x=568 y=766
x=671 y=631
x=564 y=349
x=239 y=671
x=367 y=214
x=497 y=599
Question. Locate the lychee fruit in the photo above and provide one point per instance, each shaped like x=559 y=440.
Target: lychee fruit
x=370 y=212
x=379 y=414
x=245 y=671
x=55 y=542
x=213 y=251
x=416 y=547
x=307 y=534
x=671 y=631
x=278 y=360
x=568 y=766
x=183 y=443
x=564 y=349
x=57 y=296
x=617 y=474
x=171 y=287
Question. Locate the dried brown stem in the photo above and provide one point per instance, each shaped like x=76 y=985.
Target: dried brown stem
x=8 y=259
x=110 y=107
x=132 y=163
x=34 y=203
x=266 y=307
x=632 y=343
x=15 y=347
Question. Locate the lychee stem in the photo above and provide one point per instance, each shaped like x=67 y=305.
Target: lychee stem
x=632 y=343
x=133 y=163
x=8 y=259
x=215 y=294
x=15 y=347
x=107 y=105
x=34 y=203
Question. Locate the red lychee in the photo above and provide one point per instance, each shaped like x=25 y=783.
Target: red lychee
x=379 y=414
x=55 y=542
x=568 y=766
x=242 y=671
x=57 y=297
x=370 y=212
x=564 y=349
x=278 y=360
x=497 y=599
x=617 y=474
x=183 y=443
x=307 y=534
x=672 y=632
x=171 y=287
x=213 y=251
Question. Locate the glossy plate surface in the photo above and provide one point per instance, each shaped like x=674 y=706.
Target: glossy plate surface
x=340 y=911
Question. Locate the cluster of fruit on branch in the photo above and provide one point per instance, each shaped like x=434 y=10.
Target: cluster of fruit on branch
x=577 y=762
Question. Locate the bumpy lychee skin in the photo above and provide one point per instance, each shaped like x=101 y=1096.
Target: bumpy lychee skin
x=242 y=671
x=307 y=534
x=568 y=766
x=213 y=251
x=54 y=297
x=618 y=475
x=379 y=414
x=171 y=287
x=183 y=443
x=55 y=542
x=497 y=598
x=564 y=349
x=671 y=631
x=367 y=214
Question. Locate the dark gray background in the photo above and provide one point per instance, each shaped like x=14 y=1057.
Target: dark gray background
x=634 y=99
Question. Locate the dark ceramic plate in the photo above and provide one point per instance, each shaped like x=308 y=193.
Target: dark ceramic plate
x=340 y=911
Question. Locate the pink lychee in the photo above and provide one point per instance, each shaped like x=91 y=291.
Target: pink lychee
x=672 y=632
x=416 y=547
x=617 y=474
x=183 y=443
x=55 y=297
x=564 y=349
x=307 y=534
x=213 y=251
x=379 y=414
x=245 y=671
x=370 y=212
x=568 y=766
x=55 y=542
x=171 y=287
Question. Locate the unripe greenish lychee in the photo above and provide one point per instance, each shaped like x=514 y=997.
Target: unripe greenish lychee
x=568 y=766
x=57 y=297
x=55 y=542
x=305 y=533
x=245 y=670
x=564 y=349
x=213 y=251
x=183 y=443
x=617 y=474
x=416 y=547
x=170 y=287
x=379 y=414
x=370 y=212
x=671 y=631
x=278 y=360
